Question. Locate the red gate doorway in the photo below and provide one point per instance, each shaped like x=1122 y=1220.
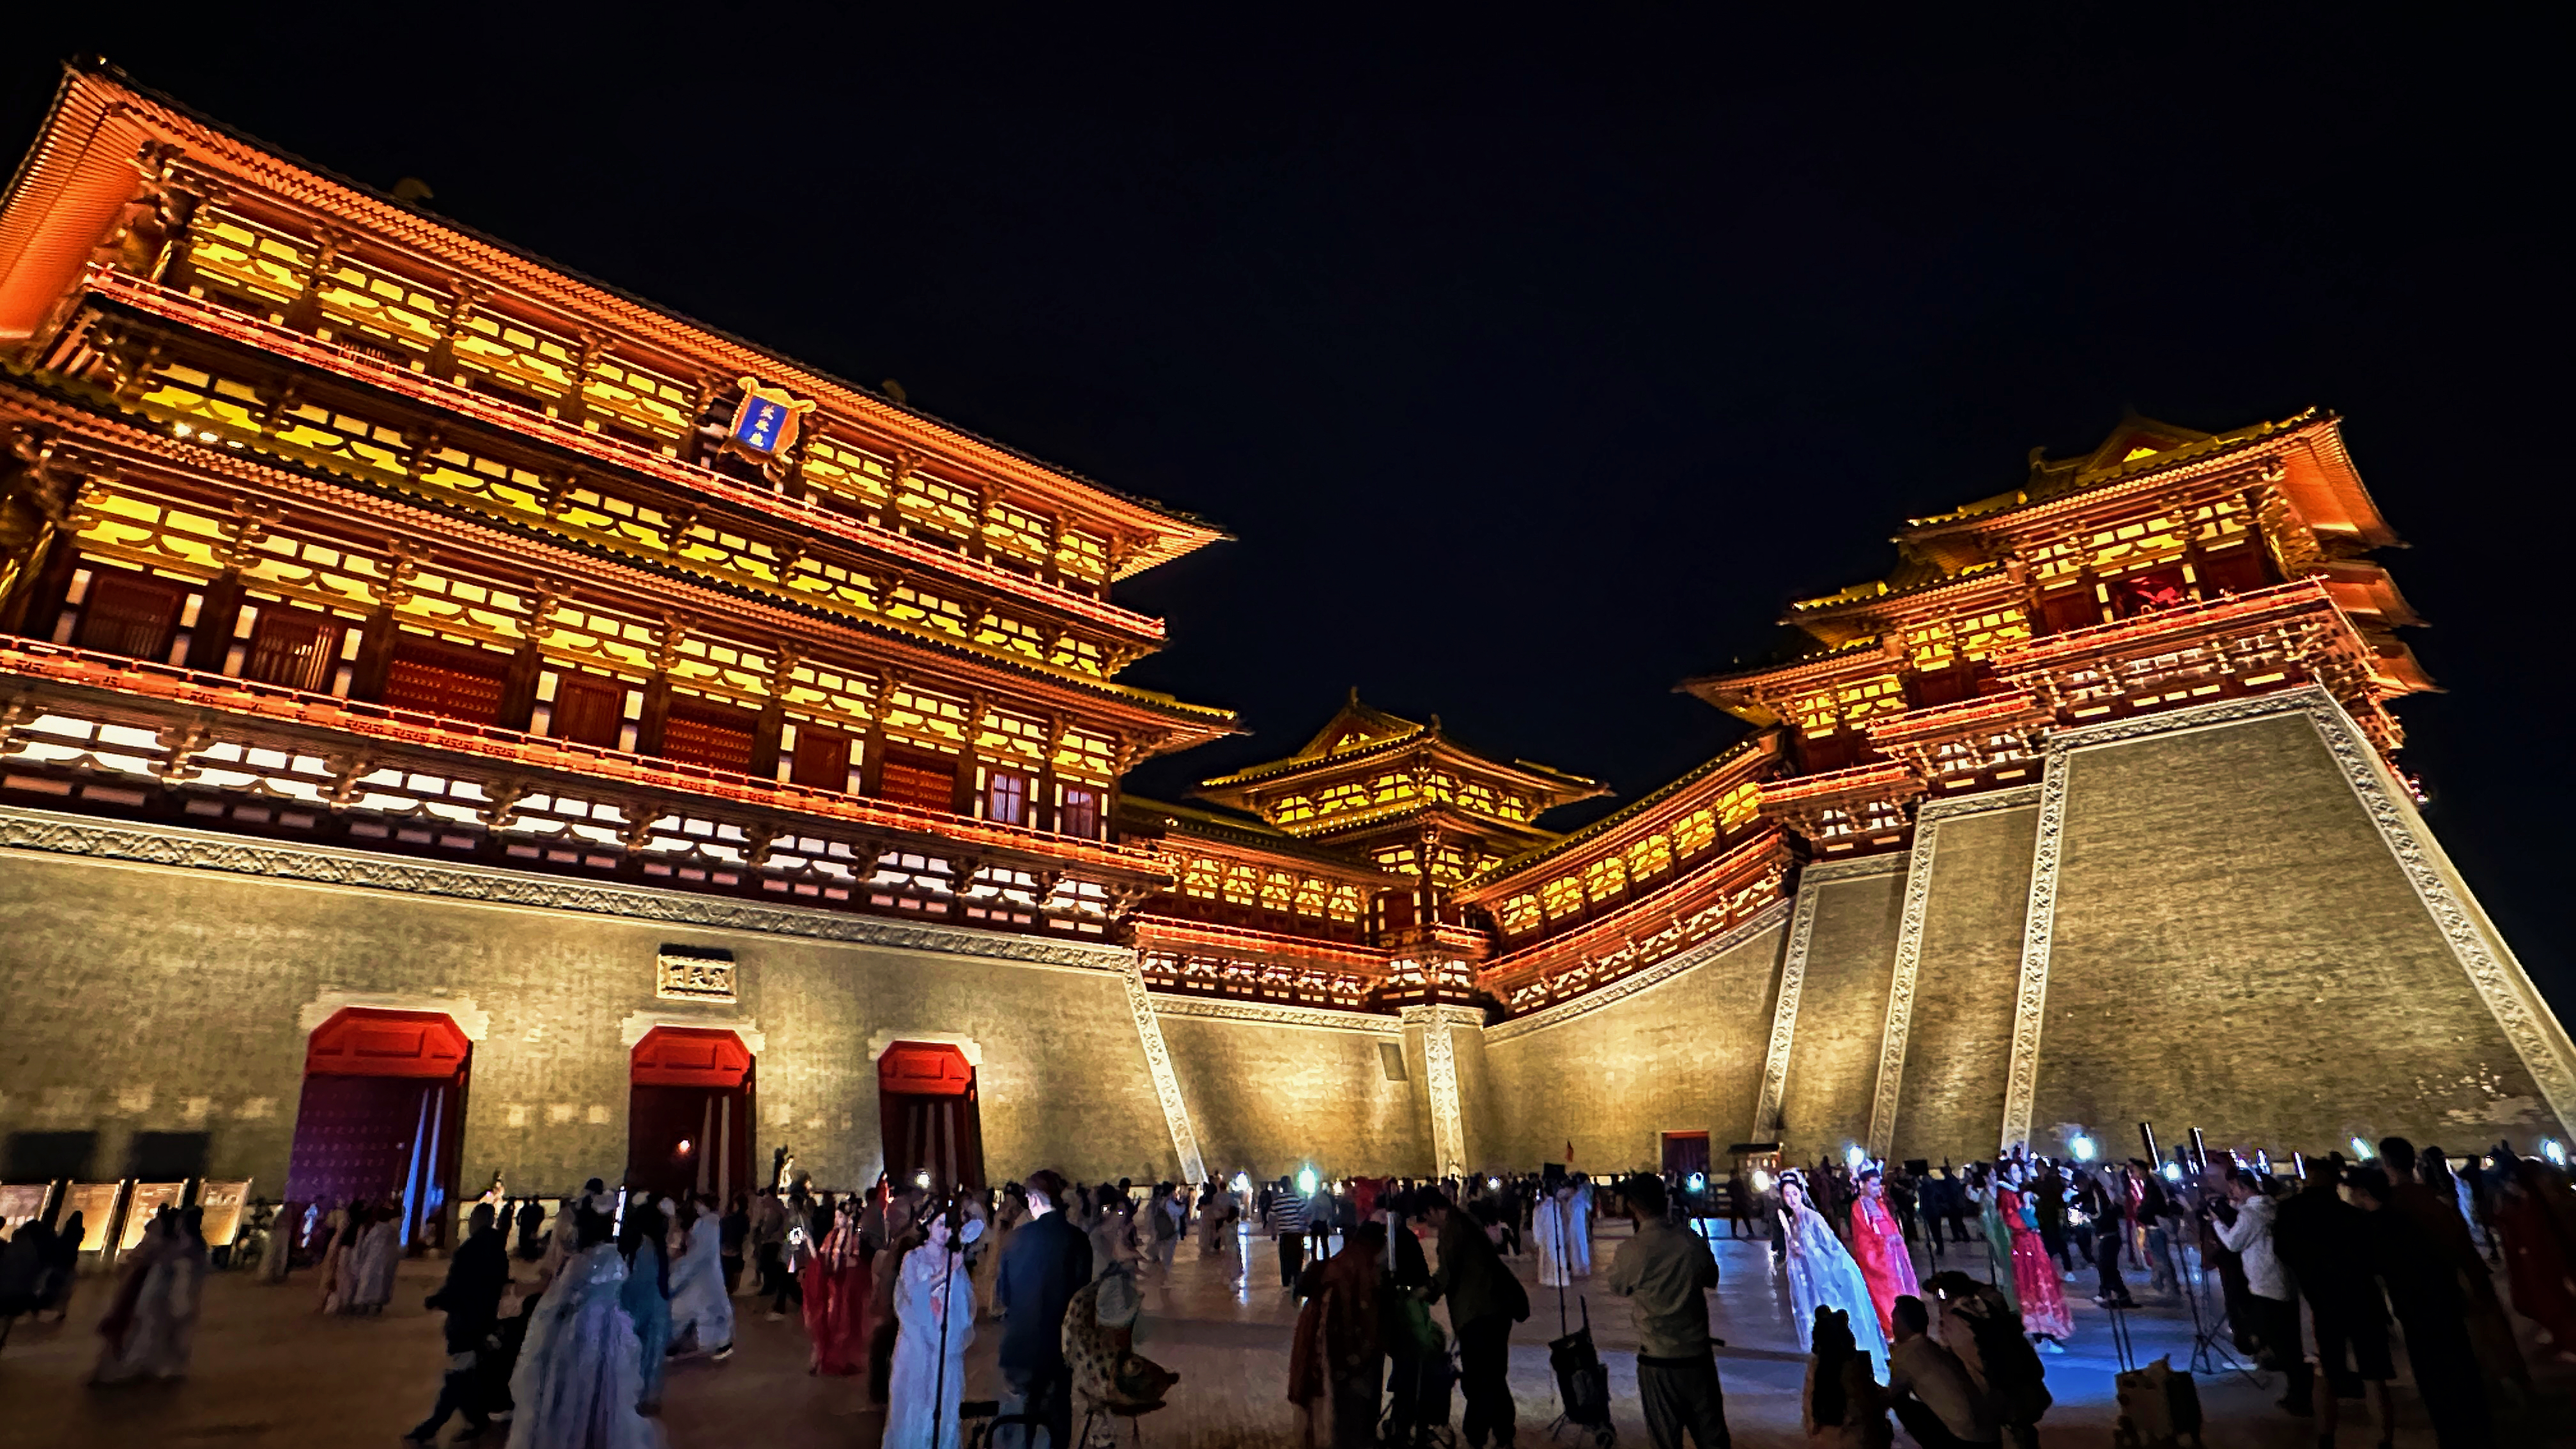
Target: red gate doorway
x=928 y=1112
x=1685 y=1153
x=381 y=1116
x=688 y=1114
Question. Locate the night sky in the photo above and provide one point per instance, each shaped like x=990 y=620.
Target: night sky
x=1536 y=370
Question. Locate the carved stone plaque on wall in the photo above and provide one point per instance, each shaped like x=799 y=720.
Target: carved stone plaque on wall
x=693 y=975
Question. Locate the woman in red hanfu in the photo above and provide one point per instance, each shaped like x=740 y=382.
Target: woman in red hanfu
x=835 y=1281
x=1878 y=1245
x=2035 y=1278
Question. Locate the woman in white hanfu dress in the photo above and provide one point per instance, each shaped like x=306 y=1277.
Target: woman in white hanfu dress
x=1551 y=1224
x=1821 y=1270
x=1578 y=1229
x=934 y=1300
x=701 y=1314
x=581 y=1367
x=151 y=1327
x=367 y=1283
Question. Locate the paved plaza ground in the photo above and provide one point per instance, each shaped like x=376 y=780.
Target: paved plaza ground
x=270 y=1371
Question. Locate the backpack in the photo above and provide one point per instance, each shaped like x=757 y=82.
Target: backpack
x=2013 y=1372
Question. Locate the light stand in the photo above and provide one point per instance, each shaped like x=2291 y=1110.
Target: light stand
x=2210 y=1354
x=948 y=1282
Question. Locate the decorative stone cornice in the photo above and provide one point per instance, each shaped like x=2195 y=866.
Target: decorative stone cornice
x=1784 y=1020
x=1953 y=807
x=1440 y=1059
x=1824 y=872
x=1769 y=918
x=46 y=832
x=1266 y=1013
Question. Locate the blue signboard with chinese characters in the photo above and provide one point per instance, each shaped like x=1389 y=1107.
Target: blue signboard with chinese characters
x=760 y=423
x=765 y=423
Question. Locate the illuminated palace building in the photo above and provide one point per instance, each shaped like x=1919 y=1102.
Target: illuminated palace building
x=458 y=719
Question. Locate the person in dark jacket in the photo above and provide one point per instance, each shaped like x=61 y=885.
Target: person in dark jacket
x=1485 y=1300
x=471 y=1298
x=2325 y=1242
x=1045 y=1262
x=1411 y=1353
x=532 y=1222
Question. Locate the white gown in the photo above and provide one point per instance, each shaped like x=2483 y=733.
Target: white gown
x=581 y=1367
x=1548 y=1233
x=697 y=1289
x=1578 y=1233
x=919 y=1298
x=1821 y=1271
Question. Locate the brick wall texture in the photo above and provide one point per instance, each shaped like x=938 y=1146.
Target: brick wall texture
x=1270 y=1099
x=2237 y=949
x=1684 y=1055
x=1842 y=1015
x=1950 y=1102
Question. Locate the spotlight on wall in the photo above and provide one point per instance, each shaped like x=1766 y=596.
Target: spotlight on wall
x=684 y=1147
x=2082 y=1146
x=2361 y=1150
x=921 y=1179
x=2554 y=1150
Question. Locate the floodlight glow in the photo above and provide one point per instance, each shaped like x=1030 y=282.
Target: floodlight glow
x=1853 y=1157
x=921 y=1179
x=1306 y=1180
x=2551 y=1148
x=2173 y=1172
x=2082 y=1146
x=1493 y=1184
x=2360 y=1150
x=684 y=1146
x=1242 y=1183
x=1698 y=1180
x=1761 y=1180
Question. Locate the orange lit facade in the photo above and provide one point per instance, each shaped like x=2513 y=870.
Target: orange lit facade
x=328 y=521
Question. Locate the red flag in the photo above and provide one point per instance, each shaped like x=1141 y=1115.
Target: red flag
x=1569 y=1152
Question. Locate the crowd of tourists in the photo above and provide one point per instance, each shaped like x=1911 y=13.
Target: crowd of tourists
x=1927 y=1295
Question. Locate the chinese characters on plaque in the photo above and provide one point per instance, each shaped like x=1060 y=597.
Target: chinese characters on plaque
x=764 y=425
x=693 y=978
x=96 y=1203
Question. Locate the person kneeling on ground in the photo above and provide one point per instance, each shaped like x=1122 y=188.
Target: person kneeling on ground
x=1934 y=1398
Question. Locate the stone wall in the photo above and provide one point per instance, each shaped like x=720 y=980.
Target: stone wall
x=143 y=999
x=1950 y=1102
x=1842 y=1012
x=1683 y=1055
x=2236 y=948
x=1270 y=1098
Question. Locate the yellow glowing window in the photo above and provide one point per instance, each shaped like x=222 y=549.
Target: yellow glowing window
x=1400 y=859
x=1695 y=831
x=1738 y=806
x=1278 y=890
x=1390 y=788
x=1562 y=896
x=1081 y=556
x=1202 y=878
x=1017 y=533
x=1348 y=795
x=1884 y=694
x=1242 y=884
x=1521 y=913
x=941 y=507
x=1292 y=807
x=1347 y=903
x=945 y=615
x=1649 y=858
x=1604 y=879
x=1311 y=894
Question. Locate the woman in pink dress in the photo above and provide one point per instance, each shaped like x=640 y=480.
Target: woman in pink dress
x=1878 y=1245
x=2035 y=1279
